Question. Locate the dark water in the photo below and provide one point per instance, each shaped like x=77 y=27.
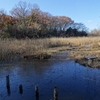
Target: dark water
x=74 y=81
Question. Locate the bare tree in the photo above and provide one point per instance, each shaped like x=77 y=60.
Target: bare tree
x=20 y=10
x=79 y=27
x=95 y=32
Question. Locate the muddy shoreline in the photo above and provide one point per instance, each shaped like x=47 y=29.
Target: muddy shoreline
x=61 y=55
x=93 y=63
x=65 y=55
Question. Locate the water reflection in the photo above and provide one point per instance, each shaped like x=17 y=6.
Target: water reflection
x=8 y=90
x=74 y=81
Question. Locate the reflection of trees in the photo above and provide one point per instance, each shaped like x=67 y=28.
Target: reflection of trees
x=37 y=67
x=26 y=68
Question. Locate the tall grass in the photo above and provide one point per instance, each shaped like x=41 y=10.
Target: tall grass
x=9 y=48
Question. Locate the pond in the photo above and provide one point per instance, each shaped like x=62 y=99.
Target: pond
x=74 y=81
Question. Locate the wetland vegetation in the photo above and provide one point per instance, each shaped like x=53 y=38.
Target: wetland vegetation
x=37 y=48
x=79 y=47
x=31 y=33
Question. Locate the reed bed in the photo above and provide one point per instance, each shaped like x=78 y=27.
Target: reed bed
x=9 y=48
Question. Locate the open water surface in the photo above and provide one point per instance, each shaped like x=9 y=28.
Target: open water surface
x=74 y=81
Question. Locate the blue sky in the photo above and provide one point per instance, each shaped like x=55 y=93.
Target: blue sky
x=81 y=11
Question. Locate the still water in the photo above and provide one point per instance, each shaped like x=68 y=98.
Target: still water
x=74 y=81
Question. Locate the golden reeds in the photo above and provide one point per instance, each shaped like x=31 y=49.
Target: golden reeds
x=11 y=47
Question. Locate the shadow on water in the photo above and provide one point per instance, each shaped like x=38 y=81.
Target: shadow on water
x=74 y=81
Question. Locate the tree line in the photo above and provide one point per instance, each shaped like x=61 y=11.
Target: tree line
x=27 y=20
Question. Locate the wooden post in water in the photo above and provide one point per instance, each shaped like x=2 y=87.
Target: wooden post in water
x=20 y=89
x=55 y=93
x=8 y=84
x=8 y=90
x=7 y=81
x=37 y=92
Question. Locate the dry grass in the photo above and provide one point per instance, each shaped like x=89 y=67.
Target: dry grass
x=9 y=48
x=81 y=54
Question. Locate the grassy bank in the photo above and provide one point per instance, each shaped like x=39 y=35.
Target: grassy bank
x=80 y=46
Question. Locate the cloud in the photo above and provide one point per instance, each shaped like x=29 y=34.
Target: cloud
x=89 y=21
